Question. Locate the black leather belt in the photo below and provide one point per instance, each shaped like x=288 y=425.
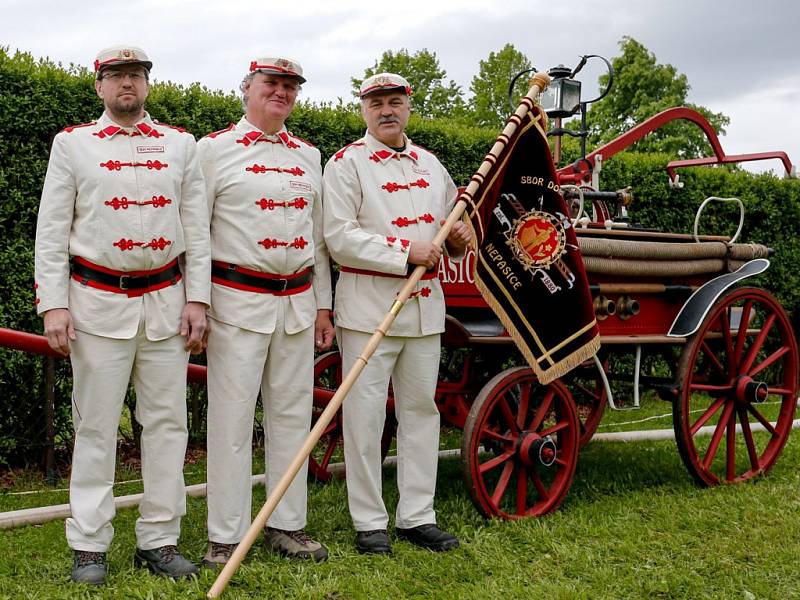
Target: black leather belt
x=242 y=278
x=111 y=280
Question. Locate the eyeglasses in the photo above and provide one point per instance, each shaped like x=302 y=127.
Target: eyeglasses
x=117 y=76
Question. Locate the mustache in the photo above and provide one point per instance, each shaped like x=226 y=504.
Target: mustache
x=388 y=120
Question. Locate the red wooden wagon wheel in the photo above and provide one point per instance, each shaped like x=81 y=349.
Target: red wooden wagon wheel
x=737 y=374
x=587 y=389
x=328 y=376
x=520 y=445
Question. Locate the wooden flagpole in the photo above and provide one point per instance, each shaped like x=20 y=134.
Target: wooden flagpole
x=539 y=83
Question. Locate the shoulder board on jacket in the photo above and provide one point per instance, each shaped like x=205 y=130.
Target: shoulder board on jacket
x=221 y=131
x=72 y=128
x=423 y=148
x=340 y=153
x=181 y=129
x=297 y=137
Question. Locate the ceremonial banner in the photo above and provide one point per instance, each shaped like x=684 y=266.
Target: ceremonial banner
x=528 y=266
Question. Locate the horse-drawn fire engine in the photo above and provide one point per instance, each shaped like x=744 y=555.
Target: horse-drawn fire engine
x=727 y=355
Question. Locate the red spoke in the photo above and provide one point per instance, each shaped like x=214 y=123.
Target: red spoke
x=524 y=396
x=560 y=426
x=726 y=336
x=752 y=453
x=505 y=410
x=741 y=331
x=542 y=411
x=730 y=448
x=779 y=391
x=326 y=460
x=712 y=357
x=495 y=462
x=497 y=437
x=591 y=393
x=537 y=482
x=502 y=483
x=768 y=361
x=710 y=411
x=706 y=387
x=761 y=419
x=522 y=489
x=717 y=437
x=752 y=352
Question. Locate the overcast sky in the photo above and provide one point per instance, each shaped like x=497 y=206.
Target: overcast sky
x=742 y=58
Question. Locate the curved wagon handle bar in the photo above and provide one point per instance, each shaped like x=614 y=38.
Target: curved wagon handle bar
x=539 y=83
x=578 y=171
x=718 y=199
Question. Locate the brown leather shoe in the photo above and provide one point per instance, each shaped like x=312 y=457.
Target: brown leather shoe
x=217 y=555
x=294 y=544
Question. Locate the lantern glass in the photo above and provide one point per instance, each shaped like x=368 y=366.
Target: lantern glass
x=562 y=98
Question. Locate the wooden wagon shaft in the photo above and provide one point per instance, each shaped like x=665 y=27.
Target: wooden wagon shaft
x=539 y=83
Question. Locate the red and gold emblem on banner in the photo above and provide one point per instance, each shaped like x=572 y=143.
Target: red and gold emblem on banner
x=538 y=239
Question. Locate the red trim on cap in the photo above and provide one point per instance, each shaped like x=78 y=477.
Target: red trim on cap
x=254 y=66
x=372 y=88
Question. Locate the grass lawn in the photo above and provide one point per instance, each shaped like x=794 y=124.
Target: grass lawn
x=633 y=526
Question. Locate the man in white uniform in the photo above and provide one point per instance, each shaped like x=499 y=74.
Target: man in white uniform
x=271 y=300
x=385 y=198
x=122 y=281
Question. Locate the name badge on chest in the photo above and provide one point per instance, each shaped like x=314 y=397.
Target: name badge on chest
x=420 y=170
x=300 y=186
x=149 y=149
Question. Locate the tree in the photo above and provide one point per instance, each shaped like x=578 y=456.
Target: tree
x=431 y=96
x=642 y=88
x=489 y=103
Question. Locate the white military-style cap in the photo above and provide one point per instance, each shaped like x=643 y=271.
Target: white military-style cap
x=277 y=65
x=121 y=55
x=382 y=82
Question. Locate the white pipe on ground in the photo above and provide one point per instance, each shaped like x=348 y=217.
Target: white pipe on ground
x=42 y=514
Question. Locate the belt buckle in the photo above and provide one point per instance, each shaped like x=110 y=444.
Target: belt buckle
x=285 y=285
x=123 y=281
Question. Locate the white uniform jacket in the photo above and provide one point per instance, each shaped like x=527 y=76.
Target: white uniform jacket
x=128 y=199
x=376 y=201
x=264 y=197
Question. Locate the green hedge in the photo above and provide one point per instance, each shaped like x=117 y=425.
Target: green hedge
x=39 y=98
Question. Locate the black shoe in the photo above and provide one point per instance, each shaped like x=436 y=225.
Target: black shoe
x=373 y=542
x=89 y=567
x=166 y=561
x=429 y=536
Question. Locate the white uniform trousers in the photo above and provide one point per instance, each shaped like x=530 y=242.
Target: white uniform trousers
x=413 y=365
x=239 y=363
x=101 y=370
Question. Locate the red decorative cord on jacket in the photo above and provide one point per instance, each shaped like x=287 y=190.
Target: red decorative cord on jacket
x=256 y=168
x=270 y=204
x=405 y=221
x=154 y=244
x=124 y=203
x=115 y=165
x=391 y=186
x=298 y=243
